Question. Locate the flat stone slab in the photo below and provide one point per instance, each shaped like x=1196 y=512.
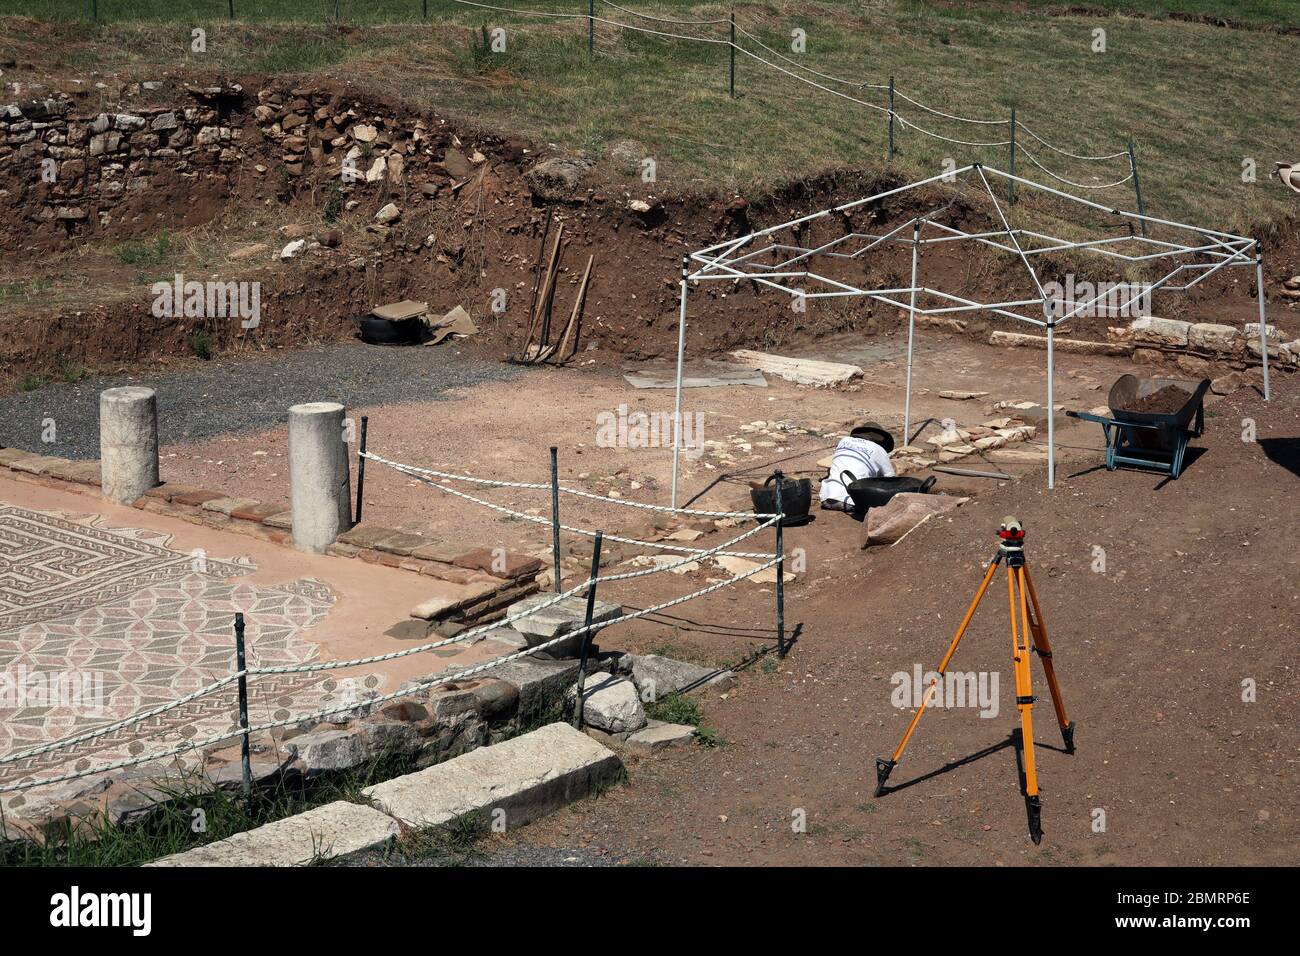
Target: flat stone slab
x=446 y=597
x=335 y=830
x=281 y=519
x=501 y=564
x=656 y=677
x=366 y=536
x=228 y=506
x=558 y=619
x=436 y=551
x=196 y=499
x=527 y=777
x=402 y=543
x=37 y=464
x=659 y=736
x=10 y=455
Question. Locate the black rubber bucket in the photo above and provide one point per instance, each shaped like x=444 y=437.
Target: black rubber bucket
x=796 y=499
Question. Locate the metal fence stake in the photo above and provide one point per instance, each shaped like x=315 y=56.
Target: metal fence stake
x=732 y=50
x=243 y=704
x=555 y=514
x=780 y=569
x=586 y=634
x=591 y=28
x=891 y=119
x=1137 y=186
x=1011 y=168
x=361 y=468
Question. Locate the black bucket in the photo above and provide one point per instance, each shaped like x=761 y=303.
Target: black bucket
x=796 y=499
x=874 y=492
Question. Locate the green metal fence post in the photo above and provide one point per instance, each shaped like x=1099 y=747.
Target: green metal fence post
x=732 y=51
x=1137 y=186
x=586 y=634
x=891 y=119
x=591 y=29
x=240 y=660
x=1011 y=168
x=780 y=568
x=555 y=515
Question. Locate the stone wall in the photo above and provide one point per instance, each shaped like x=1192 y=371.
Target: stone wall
x=1198 y=347
x=73 y=172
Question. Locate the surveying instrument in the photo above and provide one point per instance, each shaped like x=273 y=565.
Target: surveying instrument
x=1026 y=624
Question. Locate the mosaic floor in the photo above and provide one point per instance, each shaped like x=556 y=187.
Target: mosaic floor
x=98 y=624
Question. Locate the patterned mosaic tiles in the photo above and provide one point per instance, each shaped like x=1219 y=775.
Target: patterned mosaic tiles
x=127 y=623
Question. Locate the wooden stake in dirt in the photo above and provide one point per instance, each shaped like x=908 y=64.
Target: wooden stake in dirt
x=537 y=276
x=548 y=291
x=541 y=298
x=575 y=317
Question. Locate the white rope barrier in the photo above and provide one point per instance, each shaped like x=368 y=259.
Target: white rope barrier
x=537 y=519
x=1025 y=129
x=504 y=622
x=534 y=486
x=1069 y=182
x=856 y=84
x=960 y=119
x=908 y=124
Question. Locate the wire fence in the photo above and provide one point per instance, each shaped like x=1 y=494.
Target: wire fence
x=1007 y=131
x=243 y=729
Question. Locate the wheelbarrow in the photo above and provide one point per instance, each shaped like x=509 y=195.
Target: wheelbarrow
x=1156 y=440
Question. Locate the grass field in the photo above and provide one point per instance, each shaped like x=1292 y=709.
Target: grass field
x=1197 y=100
x=1257 y=12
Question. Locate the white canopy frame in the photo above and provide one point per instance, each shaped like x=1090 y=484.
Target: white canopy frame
x=758 y=257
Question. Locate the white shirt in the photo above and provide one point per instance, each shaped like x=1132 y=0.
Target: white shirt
x=859 y=457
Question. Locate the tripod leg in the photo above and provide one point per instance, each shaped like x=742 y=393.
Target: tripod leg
x=1024 y=694
x=884 y=767
x=1044 y=649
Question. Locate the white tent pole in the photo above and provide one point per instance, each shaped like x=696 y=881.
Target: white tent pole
x=911 y=331
x=1051 y=407
x=677 y=412
x=1263 y=323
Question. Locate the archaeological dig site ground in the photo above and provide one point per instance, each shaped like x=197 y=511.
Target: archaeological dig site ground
x=529 y=434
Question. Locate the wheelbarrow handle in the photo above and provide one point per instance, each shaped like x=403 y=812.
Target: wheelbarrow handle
x=1090 y=417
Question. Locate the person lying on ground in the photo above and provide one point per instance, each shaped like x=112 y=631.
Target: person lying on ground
x=864 y=454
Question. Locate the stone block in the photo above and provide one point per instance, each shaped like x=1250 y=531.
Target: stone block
x=526 y=777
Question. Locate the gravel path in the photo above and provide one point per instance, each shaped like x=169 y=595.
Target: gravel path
x=244 y=394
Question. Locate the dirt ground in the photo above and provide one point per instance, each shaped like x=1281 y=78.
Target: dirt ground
x=502 y=430
x=1198 y=595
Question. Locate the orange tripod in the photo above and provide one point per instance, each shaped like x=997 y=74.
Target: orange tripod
x=1024 y=627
